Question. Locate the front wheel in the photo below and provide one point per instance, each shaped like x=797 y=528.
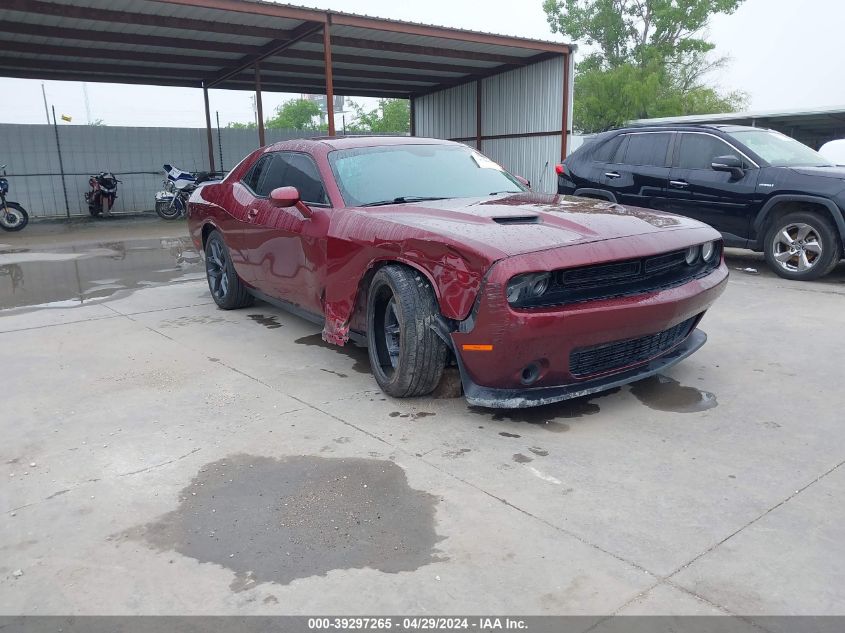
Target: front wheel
x=802 y=246
x=406 y=355
x=13 y=217
x=227 y=289
x=167 y=209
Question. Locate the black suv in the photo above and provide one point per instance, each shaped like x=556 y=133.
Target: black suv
x=761 y=189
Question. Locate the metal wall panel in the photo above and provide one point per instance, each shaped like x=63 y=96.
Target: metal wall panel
x=447 y=114
x=529 y=99
x=532 y=157
x=135 y=155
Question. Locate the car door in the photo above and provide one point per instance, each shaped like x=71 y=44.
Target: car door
x=718 y=198
x=242 y=206
x=639 y=173
x=288 y=250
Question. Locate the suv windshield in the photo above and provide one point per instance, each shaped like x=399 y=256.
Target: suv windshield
x=409 y=173
x=779 y=150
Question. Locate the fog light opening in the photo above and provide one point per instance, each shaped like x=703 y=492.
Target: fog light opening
x=530 y=374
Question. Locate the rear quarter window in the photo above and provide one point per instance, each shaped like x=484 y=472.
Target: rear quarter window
x=606 y=152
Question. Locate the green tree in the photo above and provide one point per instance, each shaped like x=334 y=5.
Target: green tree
x=649 y=59
x=235 y=125
x=295 y=114
x=391 y=116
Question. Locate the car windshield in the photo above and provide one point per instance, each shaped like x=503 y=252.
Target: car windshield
x=412 y=173
x=779 y=150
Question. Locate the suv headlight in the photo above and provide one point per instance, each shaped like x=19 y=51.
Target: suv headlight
x=529 y=286
x=708 y=251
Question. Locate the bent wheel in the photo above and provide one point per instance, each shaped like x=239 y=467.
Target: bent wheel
x=406 y=355
x=226 y=288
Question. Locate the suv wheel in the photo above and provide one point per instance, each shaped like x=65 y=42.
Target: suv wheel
x=802 y=246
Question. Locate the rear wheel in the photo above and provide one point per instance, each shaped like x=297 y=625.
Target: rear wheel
x=802 y=246
x=227 y=289
x=406 y=355
x=13 y=217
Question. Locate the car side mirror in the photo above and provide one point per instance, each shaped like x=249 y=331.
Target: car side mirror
x=730 y=163
x=284 y=197
x=524 y=181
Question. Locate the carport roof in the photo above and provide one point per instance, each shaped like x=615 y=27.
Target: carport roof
x=217 y=43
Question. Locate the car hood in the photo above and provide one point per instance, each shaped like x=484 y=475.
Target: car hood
x=824 y=172
x=528 y=222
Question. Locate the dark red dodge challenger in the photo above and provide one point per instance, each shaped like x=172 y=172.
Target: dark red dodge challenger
x=431 y=254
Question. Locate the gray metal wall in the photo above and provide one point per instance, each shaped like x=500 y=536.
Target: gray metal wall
x=135 y=155
x=522 y=101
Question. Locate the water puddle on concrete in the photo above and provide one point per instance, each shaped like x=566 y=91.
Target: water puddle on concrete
x=276 y=520
x=77 y=275
x=662 y=393
x=358 y=354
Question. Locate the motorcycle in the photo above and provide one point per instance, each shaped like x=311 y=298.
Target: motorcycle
x=177 y=187
x=13 y=217
x=103 y=192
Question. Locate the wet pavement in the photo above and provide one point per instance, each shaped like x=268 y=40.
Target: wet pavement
x=162 y=456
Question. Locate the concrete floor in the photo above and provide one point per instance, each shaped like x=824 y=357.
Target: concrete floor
x=160 y=456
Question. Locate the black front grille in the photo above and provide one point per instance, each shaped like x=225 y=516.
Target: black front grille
x=610 y=356
x=620 y=279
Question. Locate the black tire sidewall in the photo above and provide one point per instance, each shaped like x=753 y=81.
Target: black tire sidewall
x=415 y=305
x=161 y=210
x=831 y=249
x=237 y=295
x=24 y=222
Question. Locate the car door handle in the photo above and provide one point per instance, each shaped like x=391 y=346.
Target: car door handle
x=613 y=174
x=680 y=184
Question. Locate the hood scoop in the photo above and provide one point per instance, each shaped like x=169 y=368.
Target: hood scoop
x=517 y=219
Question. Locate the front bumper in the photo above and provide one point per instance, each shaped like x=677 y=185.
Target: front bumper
x=498 y=343
x=491 y=397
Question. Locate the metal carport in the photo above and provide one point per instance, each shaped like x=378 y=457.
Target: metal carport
x=248 y=45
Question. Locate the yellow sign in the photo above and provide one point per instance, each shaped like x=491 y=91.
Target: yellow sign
x=67 y=117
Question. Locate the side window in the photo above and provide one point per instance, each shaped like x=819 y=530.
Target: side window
x=648 y=149
x=697 y=151
x=607 y=151
x=253 y=176
x=290 y=169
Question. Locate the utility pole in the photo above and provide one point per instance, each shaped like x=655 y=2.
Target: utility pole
x=46 y=109
x=61 y=164
x=87 y=104
x=219 y=140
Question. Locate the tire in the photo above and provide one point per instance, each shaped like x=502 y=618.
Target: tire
x=227 y=289
x=802 y=246
x=406 y=355
x=13 y=217
x=167 y=210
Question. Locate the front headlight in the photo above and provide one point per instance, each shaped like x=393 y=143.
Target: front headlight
x=526 y=287
x=708 y=251
x=692 y=254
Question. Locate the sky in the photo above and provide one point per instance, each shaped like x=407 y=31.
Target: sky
x=784 y=54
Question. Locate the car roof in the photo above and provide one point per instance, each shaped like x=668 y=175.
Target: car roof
x=351 y=142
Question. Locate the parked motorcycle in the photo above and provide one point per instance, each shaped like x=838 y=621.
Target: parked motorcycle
x=103 y=192
x=13 y=217
x=172 y=200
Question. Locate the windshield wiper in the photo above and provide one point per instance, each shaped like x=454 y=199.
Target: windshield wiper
x=402 y=200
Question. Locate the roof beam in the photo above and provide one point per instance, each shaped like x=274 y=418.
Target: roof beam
x=107 y=53
x=255 y=8
x=272 y=48
x=340 y=19
x=430 y=51
x=341 y=58
x=85 y=35
x=137 y=19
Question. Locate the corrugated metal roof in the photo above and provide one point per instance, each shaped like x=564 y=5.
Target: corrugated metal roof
x=216 y=42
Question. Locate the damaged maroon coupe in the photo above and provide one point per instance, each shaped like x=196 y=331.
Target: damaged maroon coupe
x=431 y=254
